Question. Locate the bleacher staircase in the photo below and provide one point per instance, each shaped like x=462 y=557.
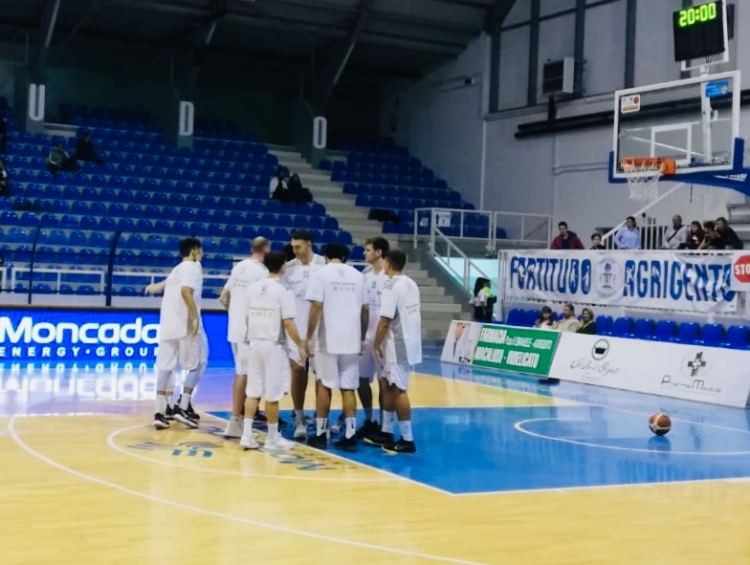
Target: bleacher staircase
x=438 y=306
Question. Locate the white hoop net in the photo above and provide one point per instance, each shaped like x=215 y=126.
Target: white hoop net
x=643 y=179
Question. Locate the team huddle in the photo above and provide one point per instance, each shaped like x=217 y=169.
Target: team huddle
x=286 y=318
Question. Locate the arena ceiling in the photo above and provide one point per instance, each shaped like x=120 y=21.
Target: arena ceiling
x=392 y=37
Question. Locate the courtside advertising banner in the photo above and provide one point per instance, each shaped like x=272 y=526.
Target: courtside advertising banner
x=505 y=348
x=704 y=374
x=692 y=282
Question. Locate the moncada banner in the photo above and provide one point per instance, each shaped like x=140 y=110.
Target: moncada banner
x=676 y=281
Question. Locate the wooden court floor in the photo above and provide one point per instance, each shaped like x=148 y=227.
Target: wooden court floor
x=89 y=482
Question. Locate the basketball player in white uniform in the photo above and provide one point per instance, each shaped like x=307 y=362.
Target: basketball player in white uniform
x=398 y=347
x=337 y=297
x=234 y=299
x=297 y=274
x=182 y=341
x=270 y=318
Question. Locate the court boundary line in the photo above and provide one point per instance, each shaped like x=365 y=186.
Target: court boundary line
x=111 y=443
x=13 y=433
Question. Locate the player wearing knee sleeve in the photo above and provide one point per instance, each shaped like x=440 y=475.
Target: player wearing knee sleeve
x=270 y=318
x=398 y=347
x=234 y=299
x=182 y=341
x=336 y=293
x=297 y=274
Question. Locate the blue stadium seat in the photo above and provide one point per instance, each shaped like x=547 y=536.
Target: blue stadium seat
x=85 y=290
x=687 y=333
x=515 y=317
x=665 y=331
x=712 y=335
x=209 y=293
x=623 y=327
x=530 y=317
x=77 y=239
x=643 y=329
x=736 y=338
x=358 y=253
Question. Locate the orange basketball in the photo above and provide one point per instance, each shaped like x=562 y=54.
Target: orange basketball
x=660 y=424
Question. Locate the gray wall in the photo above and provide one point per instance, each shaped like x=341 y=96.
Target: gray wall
x=563 y=175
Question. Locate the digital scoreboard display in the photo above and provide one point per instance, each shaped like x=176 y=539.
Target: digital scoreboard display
x=699 y=31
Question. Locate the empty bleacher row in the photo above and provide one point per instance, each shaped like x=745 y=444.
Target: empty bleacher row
x=668 y=331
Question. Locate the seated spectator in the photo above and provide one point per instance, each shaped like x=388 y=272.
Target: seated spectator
x=85 y=150
x=278 y=187
x=483 y=300
x=729 y=237
x=588 y=324
x=546 y=321
x=676 y=236
x=628 y=236
x=712 y=239
x=4 y=185
x=566 y=239
x=59 y=160
x=297 y=194
x=569 y=323
x=596 y=242
x=695 y=237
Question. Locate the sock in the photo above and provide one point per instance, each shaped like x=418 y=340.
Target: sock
x=405 y=428
x=161 y=404
x=321 y=425
x=299 y=415
x=248 y=429
x=368 y=414
x=387 y=424
x=170 y=399
x=273 y=432
x=351 y=427
x=185 y=400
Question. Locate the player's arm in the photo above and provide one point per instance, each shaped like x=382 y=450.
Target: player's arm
x=312 y=324
x=384 y=325
x=315 y=294
x=224 y=297
x=156 y=288
x=291 y=328
x=365 y=319
x=187 y=296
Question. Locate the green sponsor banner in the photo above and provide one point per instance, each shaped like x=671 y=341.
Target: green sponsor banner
x=517 y=350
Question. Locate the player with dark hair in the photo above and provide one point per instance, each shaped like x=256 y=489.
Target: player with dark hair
x=297 y=275
x=182 y=341
x=334 y=336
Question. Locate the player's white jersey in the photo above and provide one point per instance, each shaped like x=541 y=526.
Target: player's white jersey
x=296 y=278
x=402 y=304
x=374 y=284
x=173 y=315
x=269 y=303
x=244 y=274
x=340 y=288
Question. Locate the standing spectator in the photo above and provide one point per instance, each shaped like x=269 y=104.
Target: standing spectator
x=569 y=323
x=566 y=239
x=59 y=160
x=628 y=236
x=588 y=325
x=729 y=237
x=4 y=186
x=596 y=242
x=546 y=321
x=298 y=194
x=278 y=187
x=85 y=150
x=483 y=300
x=695 y=237
x=676 y=236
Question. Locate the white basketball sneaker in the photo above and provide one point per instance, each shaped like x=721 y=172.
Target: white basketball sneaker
x=278 y=444
x=234 y=428
x=248 y=440
x=300 y=429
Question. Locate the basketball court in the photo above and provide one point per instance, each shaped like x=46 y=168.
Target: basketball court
x=508 y=471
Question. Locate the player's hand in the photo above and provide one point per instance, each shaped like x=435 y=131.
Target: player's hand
x=306 y=349
x=194 y=327
x=362 y=347
x=303 y=352
x=151 y=289
x=379 y=357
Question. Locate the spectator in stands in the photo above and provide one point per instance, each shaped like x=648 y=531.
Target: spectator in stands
x=729 y=237
x=85 y=150
x=60 y=161
x=569 y=323
x=566 y=239
x=676 y=236
x=483 y=301
x=278 y=187
x=695 y=237
x=628 y=236
x=588 y=324
x=4 y=185
x=546 y=321
x=297 y=194
x=596 y=242
x=712 y=239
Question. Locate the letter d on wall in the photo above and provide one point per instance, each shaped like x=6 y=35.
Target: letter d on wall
x=36 y=102
x=320 y=132
x=187 y=117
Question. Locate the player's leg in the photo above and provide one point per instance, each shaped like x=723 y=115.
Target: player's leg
x=194 y=358
x=166 y=363
x=398 y=378
x=299 y=388
x=170 y=396
x=367 y=371
x=276 y=385
x=348 y=366
x=234 y=427
x=388 y=397
x=327 y=379
x=255 y=366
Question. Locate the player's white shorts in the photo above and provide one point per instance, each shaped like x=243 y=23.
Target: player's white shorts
x=267 y=369
x=368 y=368
x=295 y=356
x=338 y=371
x=187 y=353
x=240 y=352
x=397 y=375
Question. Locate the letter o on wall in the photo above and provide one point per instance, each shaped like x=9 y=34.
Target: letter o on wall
x=320 y=132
